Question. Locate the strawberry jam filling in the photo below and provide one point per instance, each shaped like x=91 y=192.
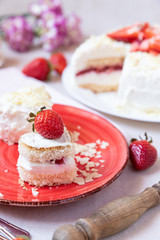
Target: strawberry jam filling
x=57 y=161
x=106 y=69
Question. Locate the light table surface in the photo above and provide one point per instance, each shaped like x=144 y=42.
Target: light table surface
x=41 y=222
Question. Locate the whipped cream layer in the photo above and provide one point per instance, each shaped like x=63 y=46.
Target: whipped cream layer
x=97 y=47
x=100 y=78
x=47 y=167
x=35 y=140
x=15 y=108
x=139 y=85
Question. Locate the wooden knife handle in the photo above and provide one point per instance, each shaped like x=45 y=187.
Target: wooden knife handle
x=111 y=218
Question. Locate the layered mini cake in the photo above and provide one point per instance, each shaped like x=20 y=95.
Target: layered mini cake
x=46 y=156
x=97 y=63
x=14 y=109
x=46 y=161
x=139 y=85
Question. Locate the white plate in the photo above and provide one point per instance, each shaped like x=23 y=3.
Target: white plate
x=103 y=102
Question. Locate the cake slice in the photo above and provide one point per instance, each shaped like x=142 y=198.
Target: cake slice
x=14 y=109
x=46 y=157
x=139 y=85
x=97 y=63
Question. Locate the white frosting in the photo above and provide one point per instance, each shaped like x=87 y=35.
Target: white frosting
x=28 y=97
x=97 y=47
x=35 y=140
x=47 y=167
x=139 y=85
x=15 y=109
x=100 y=78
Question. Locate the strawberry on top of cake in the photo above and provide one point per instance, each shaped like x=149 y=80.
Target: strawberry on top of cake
x=14 y=108
x=46 y=156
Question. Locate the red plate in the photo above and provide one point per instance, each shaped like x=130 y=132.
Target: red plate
x=92 y=127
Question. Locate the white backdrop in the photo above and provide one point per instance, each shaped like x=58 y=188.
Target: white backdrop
x=98 y=15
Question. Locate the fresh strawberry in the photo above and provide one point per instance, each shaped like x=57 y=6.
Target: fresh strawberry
x=38 y=68
x=142 y=154
x=129 y=34
x=58 y=62
x=151 y=45
x=47 y=123
x=136 y=32
x=151 y=32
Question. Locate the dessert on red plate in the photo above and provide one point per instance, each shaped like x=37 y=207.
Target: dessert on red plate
x=38 y=68
x=46 y=156
x=142 y=154
x=58 y=62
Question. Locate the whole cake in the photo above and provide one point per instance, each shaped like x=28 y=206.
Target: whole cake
x=14 y=109
x=126 y=60
x=46 y=157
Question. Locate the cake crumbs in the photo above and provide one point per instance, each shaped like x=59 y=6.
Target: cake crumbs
x=104 y=145
x=79 y=180
x=97 y=164
x=101 y=161
x=75 y=136
x=84 y=154
x=94 y=170
x=35 y=191
x=22 y=183
x=1 y=195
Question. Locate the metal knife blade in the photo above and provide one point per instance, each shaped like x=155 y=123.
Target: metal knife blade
x=11 y=231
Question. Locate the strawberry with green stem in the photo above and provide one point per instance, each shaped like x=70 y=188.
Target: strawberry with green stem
x=47 y=123
x=142 y=154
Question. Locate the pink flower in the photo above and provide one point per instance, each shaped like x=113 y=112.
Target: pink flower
x=18 y=33
x=74 y=34
x=43 y=5
x=54 y=30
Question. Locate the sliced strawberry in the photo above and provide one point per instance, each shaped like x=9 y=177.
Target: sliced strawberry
x=38 y=68
x=58 y=62
x=150 y=32
x=151 y=45
x=129 y=34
